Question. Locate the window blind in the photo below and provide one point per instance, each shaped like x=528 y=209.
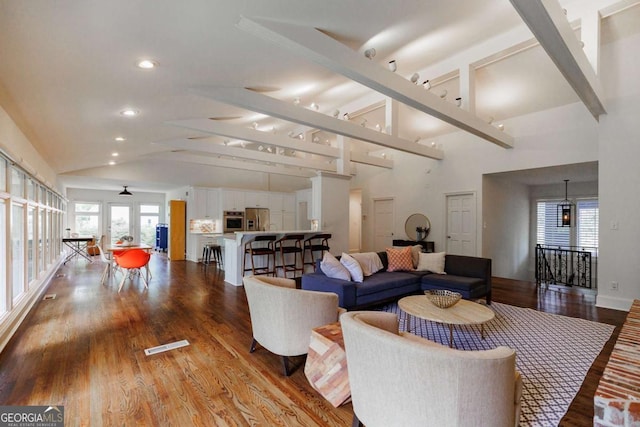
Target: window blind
x=588 y=219
x=548 y=232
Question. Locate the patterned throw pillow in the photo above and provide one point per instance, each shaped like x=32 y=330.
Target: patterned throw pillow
x=399 y=259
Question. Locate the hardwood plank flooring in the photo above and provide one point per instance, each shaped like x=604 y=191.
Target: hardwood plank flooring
x=85 y=350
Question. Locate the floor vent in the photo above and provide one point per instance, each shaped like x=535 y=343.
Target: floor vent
x=166 y=347
x=49 y=296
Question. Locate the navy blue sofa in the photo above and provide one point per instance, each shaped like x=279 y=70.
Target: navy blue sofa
x=471 y=276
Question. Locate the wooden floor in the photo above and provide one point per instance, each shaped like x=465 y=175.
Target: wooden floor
x=85 y=350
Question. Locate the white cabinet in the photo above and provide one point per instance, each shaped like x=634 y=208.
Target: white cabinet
x=213 y=204
x=276 y=201
x=233 y=200
x=289 y=203
x=256 y=199
x=275 y=221
x=289 y=221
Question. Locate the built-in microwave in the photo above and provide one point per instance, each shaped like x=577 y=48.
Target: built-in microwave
x=233 y=221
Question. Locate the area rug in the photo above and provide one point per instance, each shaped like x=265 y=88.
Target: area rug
x=553 y=353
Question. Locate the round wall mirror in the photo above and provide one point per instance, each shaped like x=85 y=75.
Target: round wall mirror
x=417 y=227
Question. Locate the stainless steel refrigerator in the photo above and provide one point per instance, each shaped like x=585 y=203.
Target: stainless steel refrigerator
x=256 y=219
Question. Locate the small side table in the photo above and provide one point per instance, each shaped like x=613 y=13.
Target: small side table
x=326 y=365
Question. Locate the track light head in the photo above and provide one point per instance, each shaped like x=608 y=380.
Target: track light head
x=370 y=53
x=393 y=66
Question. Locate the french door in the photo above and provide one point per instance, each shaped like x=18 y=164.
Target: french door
x=119 y=222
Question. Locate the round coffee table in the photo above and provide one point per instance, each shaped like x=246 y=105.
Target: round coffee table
x=463 y=313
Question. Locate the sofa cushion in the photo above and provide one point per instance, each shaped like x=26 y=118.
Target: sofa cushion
x=399 y=259
x=385 y=280
x=452 y=282
x=353 y=266
x=331 y=267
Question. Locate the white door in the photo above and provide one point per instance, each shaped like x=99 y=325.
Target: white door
x=355 y=220
x=461 y=224
x=382 y=224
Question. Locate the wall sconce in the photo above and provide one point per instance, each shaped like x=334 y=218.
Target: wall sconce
x=392 y=66
x=566 y=209
x=370 y=53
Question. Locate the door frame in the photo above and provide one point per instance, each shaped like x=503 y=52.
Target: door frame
x=373 y=214
x=446 y=216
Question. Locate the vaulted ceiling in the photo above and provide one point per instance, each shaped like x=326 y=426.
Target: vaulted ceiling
x=235 y=81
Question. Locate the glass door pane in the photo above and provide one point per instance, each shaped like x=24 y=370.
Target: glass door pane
x=119 y=222
x=149 y=217
x=17 y=250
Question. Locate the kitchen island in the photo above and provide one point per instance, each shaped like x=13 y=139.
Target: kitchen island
x=234 y=250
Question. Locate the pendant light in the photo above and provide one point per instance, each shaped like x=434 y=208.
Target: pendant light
x=566 y=209
x=125 y=192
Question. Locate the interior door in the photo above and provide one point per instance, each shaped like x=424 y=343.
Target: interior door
x=120 y=221
x=382 y=224
x=461 y=224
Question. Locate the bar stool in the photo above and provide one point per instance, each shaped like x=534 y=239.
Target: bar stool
x=256 y=248
x=212 y=250
x=317 y=243
x=290 y=244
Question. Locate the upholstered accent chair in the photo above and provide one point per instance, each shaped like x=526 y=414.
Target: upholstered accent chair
x=282 y=316
x=399 y=379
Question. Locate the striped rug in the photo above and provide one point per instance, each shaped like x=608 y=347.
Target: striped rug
x=553 y=353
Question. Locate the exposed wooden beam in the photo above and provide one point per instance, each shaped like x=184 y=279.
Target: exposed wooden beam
x=233 y=164
x=254 y=101
x=366 y=159
x=246 y=134
x=547 y=21
x=316 y=46
x=242 y=153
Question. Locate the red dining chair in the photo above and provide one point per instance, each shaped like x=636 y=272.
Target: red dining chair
x=132 y=261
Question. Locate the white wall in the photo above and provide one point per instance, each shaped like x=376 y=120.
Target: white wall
x=506 y=227
x=619 y=175
x=18 y=147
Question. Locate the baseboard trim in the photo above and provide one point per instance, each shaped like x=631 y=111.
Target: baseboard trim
x=623 y=304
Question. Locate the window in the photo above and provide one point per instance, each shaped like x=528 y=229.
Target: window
x=17 y=250
x=17 y=182
x=586 y=230
x=3 y=255
x=149 y=217
x=588 y=219
x=87 y=219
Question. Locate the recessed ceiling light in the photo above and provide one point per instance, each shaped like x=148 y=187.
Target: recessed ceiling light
x=111 y=163
x=129 y=112
x=114 y=154
x=147 y=64
x=120 y=138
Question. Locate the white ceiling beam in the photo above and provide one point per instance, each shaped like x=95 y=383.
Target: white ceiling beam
x=257 y=102
x=367 y=159
x=246 y=134
x=232 y=164
x=242 y=153
x=547 y=21
x=316 y=46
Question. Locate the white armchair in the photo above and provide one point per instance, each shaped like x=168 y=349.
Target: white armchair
x=282 y=316
x=399 y=379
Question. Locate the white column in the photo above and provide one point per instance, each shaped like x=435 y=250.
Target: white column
x=330 y=194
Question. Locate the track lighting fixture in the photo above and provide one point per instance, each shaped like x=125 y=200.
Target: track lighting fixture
x=363 y=123
x=296 y=101
x=501 y=126
x=491 y=119
x=378 y=127
x=443 y=94
x=260 y=148
x=414 y=78
x=335 y=113
x=393 y=66
x=426 y=84
x=255 y=125
x=314 y=106
x=459 y=102
x=345 y=116
x=370 y=53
